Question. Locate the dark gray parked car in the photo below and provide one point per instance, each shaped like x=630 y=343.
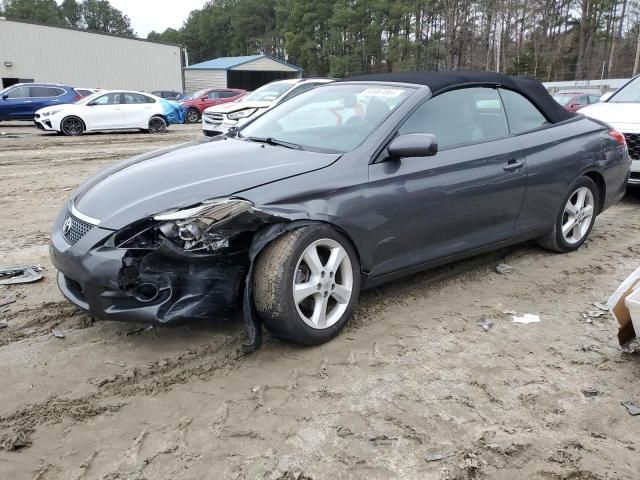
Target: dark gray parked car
x=342 y=188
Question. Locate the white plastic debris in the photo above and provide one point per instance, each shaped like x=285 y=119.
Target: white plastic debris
x=486 y=323
x=526 y=318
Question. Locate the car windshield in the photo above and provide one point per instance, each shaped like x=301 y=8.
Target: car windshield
x=630 y=93
x=268 y=92
x=563 y=99
x=334 y=118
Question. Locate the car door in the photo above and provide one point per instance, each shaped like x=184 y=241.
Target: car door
x=16 y=103
x=137 y=110
x=465 y=197
x=45 y=96
x=104 y=112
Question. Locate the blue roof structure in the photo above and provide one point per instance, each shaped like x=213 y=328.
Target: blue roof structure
x=227 y=63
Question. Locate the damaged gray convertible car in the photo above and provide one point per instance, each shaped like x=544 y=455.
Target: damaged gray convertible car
x=341 y=188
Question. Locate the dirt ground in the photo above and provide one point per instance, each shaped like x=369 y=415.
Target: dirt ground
x=414 y=388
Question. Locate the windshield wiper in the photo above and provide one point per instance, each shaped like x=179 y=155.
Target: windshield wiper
x=275 y=141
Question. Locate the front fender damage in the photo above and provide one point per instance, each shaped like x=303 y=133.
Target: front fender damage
x=216 y=279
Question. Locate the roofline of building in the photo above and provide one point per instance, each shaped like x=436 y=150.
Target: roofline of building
x=82 y=30
x=255 y=57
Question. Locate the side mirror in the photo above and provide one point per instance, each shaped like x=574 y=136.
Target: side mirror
x=5 y=96
x=413 y=145
x=606 y=96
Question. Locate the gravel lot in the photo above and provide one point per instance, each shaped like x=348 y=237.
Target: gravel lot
x=413 y=388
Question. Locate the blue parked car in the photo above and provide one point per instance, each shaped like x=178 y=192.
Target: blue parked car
x=20 y=101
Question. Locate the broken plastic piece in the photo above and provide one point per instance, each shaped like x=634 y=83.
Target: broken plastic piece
x=503 y=268
x=526 y=318
x=437 y=457
x=57 y=333
x=632 y=408
x=22 y=274
x=486 y=323
x=601 y=306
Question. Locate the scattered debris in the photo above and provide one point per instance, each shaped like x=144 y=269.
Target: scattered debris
x=57 y=333
x=503 y=268
x=139 y=330
x=3 y=324
x=486 y=323
x=509 y=312
x=7 y=301
x=601 y=306
x=22 y=274
x=591 y=392
x=436 y=457
x=632 y=408
x=526 y=318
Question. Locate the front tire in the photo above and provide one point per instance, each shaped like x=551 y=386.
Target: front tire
x=72 y=126
x=576 y=218
x=192 y=116
x=306 y=284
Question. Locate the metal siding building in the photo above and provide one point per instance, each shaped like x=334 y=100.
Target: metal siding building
x=78 y=58
x=246 y=72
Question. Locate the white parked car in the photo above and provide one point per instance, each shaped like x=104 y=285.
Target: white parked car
x=621 y=110
x=219 y=119
x=105 y=110
x=85 y=92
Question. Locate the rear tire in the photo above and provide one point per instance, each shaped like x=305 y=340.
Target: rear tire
x=306 y=284
x=575 y=219
x=157 y=124
x=192 y=116
x=72 y=126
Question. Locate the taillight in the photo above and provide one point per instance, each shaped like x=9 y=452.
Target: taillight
x=618 y=137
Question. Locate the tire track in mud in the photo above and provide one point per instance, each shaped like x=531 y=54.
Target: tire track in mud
x=17 y=428
x=41 y=319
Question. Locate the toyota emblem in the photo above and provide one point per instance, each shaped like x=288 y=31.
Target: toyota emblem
x=66 y=227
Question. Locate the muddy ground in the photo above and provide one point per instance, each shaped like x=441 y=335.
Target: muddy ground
x=414 y=388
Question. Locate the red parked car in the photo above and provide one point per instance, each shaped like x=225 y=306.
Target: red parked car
x=196 y=103
x=574 y=101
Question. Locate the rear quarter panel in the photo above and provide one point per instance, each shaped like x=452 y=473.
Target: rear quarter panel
x=556 y=156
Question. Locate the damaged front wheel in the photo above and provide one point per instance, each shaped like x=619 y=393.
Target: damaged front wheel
x=306 y=284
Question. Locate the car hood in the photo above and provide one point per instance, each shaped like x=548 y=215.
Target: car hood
x=236 y=106
x=622 y=116
x=54 y=108
x=186 y=175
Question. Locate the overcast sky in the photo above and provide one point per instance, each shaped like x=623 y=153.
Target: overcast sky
x=158 y=15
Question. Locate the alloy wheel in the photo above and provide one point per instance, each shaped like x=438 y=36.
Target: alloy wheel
x=192 y=116
x=578 y=215
x=322 y=283
x=157 y=125
x=72 y=126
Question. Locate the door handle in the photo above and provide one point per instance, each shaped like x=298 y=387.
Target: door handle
x=513 y=165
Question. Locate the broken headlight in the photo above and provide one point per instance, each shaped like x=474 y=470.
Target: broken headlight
x=192 y=228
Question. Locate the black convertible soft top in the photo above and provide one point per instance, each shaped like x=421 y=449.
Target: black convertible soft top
x=439 y=82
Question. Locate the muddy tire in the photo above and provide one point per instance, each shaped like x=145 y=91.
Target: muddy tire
x=72 y=126
x=157 y=124
x=192 y=116
x=575 y=219
x=306 y=284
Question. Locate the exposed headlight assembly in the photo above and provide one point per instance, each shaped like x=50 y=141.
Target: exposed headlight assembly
x=242 y=114
x=190 y=228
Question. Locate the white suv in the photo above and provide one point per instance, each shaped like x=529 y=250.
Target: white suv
x=622 y=111
x=219 y=119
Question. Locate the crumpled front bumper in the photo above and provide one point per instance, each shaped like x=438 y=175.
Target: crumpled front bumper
x=158 y=287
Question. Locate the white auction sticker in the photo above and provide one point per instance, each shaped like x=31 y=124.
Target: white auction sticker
x=382 y=92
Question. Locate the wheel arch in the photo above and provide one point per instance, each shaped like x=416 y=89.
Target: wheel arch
x=268 y=234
